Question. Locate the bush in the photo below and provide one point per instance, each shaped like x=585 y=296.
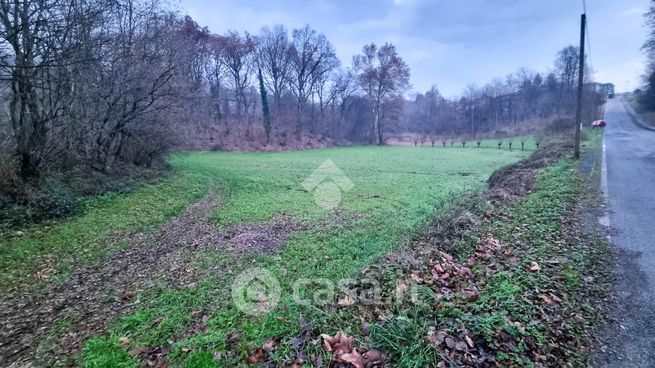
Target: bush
x=560 y=125
x=647 y=97
x=50 y=199
x=53 y=199
x=89 y=182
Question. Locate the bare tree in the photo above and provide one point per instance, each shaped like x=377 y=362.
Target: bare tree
x=88 y=80
x=383 y=76
x=133 y=84
x=216 y=73
x=39 y=35
x=237 y=54
x=313 y=57
x=274 y=59
x=566 y=67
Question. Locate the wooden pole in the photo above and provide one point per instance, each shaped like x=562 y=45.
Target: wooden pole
x=578 y=113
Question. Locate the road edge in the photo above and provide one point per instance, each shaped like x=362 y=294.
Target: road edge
x=638 y=120
x=604 y=219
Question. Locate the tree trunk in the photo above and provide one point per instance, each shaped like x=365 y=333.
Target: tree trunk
x=30 y=131
x=376 y=127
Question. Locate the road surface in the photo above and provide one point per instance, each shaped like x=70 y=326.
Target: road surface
x=629 y=187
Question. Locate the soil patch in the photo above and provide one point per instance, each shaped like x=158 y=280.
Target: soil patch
x=267 y=237
x=519 y=178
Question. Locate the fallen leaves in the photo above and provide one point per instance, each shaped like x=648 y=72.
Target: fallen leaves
x=128 y=296
x=261 y=354
x=155 y=357
x=258 y=356
x=124 y=342
x=346 y=301
x=455 y=346
x=157 y=321
x=487 y=247
x=269 y=345
x=340 y=347
x=44 y=273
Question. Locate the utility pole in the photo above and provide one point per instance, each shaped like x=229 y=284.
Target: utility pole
x=578 y=113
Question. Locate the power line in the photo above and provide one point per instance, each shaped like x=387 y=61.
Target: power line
x=591 y=64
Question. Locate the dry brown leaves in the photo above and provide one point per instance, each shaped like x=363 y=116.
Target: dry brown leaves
x=340 y=347
x=457 y=347
x=155 y=357
x=261 y=354
x=452 y=278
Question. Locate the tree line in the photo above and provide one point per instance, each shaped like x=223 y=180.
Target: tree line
x=523 y=102
x=646 y=95
x=102 y=85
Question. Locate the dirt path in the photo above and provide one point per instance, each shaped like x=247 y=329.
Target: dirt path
x=94 y=295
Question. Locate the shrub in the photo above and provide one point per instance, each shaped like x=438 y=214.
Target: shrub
x=49 y=199
x=53 y=199
x=560 y=125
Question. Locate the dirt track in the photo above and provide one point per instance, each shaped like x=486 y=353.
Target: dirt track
x=94 y=295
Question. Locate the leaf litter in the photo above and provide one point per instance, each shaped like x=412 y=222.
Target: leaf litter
x=91 y=296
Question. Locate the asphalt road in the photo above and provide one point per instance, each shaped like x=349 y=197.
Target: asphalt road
x=630 y=161
x=629 y=188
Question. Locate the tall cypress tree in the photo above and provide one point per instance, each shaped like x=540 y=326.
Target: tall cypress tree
x=265 y=110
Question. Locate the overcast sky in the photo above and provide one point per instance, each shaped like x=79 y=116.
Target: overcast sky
x=452 y=43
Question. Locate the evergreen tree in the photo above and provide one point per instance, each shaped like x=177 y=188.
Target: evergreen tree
x=265 y=110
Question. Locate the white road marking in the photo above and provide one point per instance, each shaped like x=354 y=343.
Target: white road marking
x=605 y=218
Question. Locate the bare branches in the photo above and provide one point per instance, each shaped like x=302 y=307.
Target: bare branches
x=312 y=58
x=274 y=58
x=383 y=76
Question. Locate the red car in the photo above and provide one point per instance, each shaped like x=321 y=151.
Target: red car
x=599 y=124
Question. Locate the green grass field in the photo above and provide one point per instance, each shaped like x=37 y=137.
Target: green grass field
x=395 y=191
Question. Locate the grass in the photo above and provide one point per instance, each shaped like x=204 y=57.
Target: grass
x=395 y=190
x=502 y=306
x=647 y=115
x=532 y=230
x=84 y=238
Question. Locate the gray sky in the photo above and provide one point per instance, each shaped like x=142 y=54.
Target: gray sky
x=452 y=43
